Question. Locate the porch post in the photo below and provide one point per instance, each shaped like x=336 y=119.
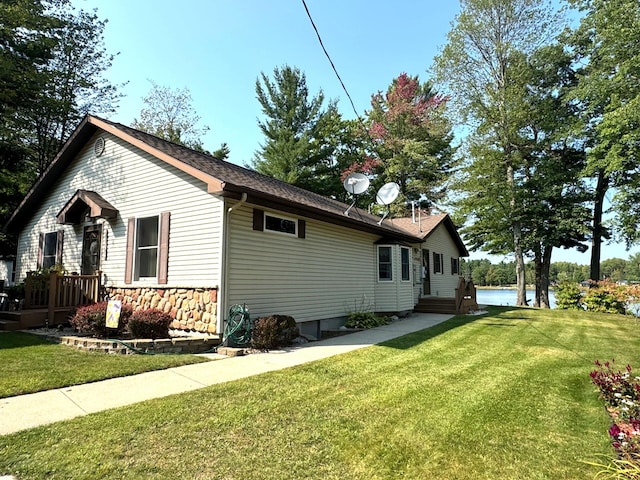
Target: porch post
x=53 y=293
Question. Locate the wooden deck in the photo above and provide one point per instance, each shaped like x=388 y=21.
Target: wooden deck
x=49 y=300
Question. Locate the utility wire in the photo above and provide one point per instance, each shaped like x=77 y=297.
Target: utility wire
x=331 y=61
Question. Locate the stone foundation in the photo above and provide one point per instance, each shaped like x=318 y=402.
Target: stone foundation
x=191 y=308
x=127 y=347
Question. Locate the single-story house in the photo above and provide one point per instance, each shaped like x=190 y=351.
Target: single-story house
x=168 y=227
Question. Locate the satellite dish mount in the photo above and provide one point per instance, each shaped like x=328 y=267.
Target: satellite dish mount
x=355 y=184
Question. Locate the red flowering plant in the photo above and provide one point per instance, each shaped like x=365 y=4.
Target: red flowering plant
x=620 y=391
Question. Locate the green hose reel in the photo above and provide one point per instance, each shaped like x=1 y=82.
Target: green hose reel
x=237 y=330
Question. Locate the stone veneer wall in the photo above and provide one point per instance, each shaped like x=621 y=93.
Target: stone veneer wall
x=190 y=308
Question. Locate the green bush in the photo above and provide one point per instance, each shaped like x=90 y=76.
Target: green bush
x=150 y=323
x=91 y=320
x=274 y=331
x=568 y=296
x=365 y=320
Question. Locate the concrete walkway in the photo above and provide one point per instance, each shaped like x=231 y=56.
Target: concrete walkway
x=42 y=408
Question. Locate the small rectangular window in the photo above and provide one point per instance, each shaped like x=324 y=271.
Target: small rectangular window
x=438 y=259
x=384 y=264
x=280 y=224
x=49 y=249
x=455 y=266
x=406 y=267
x=146 y=247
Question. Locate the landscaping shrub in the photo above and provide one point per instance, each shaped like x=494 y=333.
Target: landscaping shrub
x=568 y=296
x=273 y=332
x=91 y=320
x=606 y=297
x=603 y=297
x=150 y=323
x=365 y=320
x=620 y=391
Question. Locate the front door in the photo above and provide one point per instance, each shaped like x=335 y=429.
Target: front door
x=426 y=288
x=91 y=249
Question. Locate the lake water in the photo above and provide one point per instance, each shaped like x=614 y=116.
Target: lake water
x=508 y=297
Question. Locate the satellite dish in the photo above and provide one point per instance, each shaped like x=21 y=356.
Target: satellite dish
x=355 y=184
x=388 y=193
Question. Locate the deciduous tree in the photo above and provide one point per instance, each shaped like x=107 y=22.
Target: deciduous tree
x=478 y=66
x=412 y=140
x=168 y=113
x=607 y=45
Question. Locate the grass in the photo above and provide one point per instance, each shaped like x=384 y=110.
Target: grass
x=32 y=364
x=507 y=396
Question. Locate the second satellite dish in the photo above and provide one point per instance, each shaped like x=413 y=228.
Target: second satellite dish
x=388 y=193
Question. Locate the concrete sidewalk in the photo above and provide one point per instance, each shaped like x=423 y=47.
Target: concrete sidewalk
x=42 y=408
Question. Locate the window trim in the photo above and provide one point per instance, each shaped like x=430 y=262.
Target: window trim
x=259 y=222
x=137 y=249
x=281 y=218
x=131 y=261
x=390 y=263
x=403 y=264
x=438 y=266
x=455 y=266
x=58 y=235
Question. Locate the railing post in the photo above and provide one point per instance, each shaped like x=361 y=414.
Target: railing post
x=98 y=287
x=28 y=291
x=53 y=294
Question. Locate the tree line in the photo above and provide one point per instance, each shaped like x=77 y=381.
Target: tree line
x=487 y=274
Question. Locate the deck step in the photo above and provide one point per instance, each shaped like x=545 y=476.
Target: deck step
x=9 y=325
x=436 y=305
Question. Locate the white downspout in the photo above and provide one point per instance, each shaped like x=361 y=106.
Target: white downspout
x=224 y=298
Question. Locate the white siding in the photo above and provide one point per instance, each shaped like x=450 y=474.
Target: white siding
x=138 y=185
x=442 y=284
x=325 y=275
x=395 y=295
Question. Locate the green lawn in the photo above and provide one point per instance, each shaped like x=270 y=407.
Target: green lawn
x=504 y=396
x=30 y=364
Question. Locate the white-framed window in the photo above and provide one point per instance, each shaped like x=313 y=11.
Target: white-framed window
x=438 y=262
x=147 y=255
x=385 y=263
x=275 y=223
x=49 y=250
x=146 y=249
x=455 y=266
x=405 y=257
x=278 y=224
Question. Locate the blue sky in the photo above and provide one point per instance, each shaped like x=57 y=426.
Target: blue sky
x=217 y=49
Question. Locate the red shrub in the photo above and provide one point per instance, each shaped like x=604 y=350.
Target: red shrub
x=91 y=319
x=150 y=323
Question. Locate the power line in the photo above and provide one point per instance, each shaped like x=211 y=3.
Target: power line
x=331 y=61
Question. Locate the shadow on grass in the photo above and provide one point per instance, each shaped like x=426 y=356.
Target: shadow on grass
x=20 y=339
x=412 y=339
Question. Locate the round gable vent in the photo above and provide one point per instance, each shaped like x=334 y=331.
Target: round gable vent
x=98 y=146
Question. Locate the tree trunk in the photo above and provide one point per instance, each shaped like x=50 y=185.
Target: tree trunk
x=544 y=277
x=521 y=283
x=598 y=229
x=537 y=262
